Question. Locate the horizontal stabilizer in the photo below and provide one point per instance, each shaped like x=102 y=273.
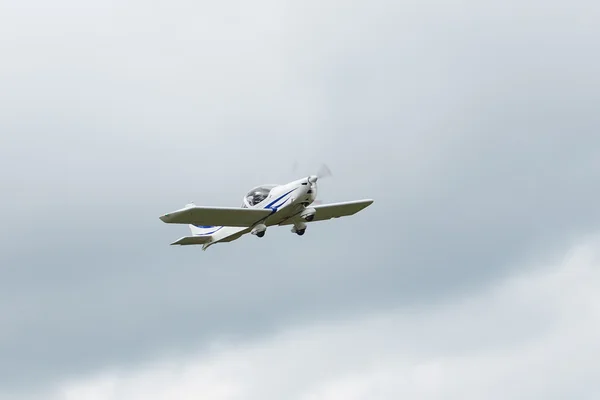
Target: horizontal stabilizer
x=189 y=240
x=216 y=216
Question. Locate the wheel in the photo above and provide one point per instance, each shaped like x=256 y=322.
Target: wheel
x=260 y=234
x=301 y=232
x=310 y=218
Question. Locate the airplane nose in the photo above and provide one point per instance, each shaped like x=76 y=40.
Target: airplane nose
x=313 y=178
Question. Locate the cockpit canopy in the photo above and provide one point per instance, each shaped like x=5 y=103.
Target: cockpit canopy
x=257 y=195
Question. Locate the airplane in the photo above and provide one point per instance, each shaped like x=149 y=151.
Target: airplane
x=263 y=206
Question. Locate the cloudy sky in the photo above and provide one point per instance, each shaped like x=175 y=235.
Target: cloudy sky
x=474 y=125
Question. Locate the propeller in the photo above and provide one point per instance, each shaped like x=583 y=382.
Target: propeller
x=324 y=171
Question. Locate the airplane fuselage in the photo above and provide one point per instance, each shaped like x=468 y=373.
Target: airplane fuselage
x=291 y=200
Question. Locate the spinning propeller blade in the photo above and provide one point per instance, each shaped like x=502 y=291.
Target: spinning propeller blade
x=324 y=172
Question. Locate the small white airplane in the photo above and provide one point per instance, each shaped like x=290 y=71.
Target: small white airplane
x=263 y=206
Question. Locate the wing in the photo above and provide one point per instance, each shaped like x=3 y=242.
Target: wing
x=189 y=240
x=217 y=216
x=336 y=210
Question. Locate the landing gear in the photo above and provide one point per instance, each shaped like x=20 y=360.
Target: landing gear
x=309 y=218
x=299 y=228
x=259 y=230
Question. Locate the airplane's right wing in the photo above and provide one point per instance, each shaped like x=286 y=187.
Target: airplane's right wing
x=216 y=216
x=336 y=210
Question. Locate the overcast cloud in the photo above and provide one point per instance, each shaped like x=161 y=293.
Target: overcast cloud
x=473 y=125
x=495 y=344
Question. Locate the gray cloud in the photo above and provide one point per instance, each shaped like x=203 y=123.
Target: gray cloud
x=484 y=345
x=474 y=128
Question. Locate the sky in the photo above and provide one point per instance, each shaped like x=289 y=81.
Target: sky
x=473 y=125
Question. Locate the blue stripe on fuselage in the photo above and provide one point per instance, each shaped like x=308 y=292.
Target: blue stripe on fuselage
x=279 y=198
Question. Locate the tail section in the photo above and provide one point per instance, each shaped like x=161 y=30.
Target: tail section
x=202 y=230
x=201 y=234
x=205 y=234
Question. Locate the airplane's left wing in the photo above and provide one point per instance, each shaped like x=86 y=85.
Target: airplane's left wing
x=336 y=210
x=217 y=216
